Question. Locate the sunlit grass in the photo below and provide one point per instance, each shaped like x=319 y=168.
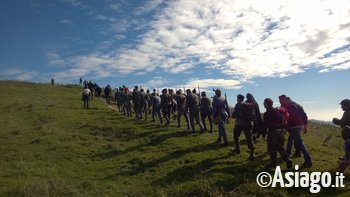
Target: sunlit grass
x=51 y=146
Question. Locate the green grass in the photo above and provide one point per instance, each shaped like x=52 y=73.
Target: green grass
x=51 y=146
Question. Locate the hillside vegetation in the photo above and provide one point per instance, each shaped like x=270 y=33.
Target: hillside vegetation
x=51 y=146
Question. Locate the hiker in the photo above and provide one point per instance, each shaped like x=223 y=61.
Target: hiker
x=128 y=103
x=126 y=89
x=257 y=120
x=143 y=103
x=156 y=106
x=181 y=106
x=149 y=101
x=117 y=98
x=296 y=123
x=344 y=122
x=108 y=92
x=206 y=111
x=52 y=81
x=274 y=123
x=166 y=104
x=243 y=123
x=86 y=97
x=173 y=103
x=98 y=90
x=192 y=105
x=80 y=81
x=220 y=116
x=136 y=100
x=92 y=89
x=297 y=152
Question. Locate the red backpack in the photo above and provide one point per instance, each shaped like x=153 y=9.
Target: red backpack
x=282 y=116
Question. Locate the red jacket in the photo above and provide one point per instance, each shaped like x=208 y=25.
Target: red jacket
x=297 y=115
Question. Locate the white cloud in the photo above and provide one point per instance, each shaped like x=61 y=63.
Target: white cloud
x=18 y=74
x=148 y=7
x=66 y=21
x=242 y=39
x=213 y=83
x=74 y=2
x=26 y=76
x=11 y=72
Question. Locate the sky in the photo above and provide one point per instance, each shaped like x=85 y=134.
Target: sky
x=267 y=48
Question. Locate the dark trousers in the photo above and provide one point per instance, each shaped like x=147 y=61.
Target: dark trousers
x=194 y=115
x=204 y=114
x=247 y=129
x=295 y=135
x=156 y=111
x=86 y=102
x=275 y=143
x=179 y=114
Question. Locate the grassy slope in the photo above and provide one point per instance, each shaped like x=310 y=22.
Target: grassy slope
x=50 y=145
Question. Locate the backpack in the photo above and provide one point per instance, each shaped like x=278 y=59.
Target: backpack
x=248 y=111
x=281 y=118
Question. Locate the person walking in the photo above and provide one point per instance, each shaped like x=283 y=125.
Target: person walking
x=86 y=97
x=274 y=123
x=243 y=124
x=296 y=123
x=220 y=116
x=344 y=122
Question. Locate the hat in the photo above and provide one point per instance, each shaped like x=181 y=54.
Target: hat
x=240 y=96
x=345 y=102
x=218 y=91
x=268 y=102
x=203 y=94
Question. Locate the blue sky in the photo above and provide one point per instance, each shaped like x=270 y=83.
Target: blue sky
x=267 y=48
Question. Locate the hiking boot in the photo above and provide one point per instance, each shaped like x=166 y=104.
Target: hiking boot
x=254 y=139
x=225 y=144
x=306 y=165
x=251 y=157
x=235 y=151
x=341 y=158
x=289 y=164
x=218 y=141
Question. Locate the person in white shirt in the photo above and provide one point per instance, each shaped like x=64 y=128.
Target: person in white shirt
x=86 y=97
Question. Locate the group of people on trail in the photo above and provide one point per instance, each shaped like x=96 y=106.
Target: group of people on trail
x=195 y=107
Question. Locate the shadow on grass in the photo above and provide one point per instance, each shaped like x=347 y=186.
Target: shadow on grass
x=143 y=166
x=153 y=142
x=189 y=171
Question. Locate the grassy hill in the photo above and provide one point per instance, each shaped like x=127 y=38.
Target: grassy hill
x=51 y=146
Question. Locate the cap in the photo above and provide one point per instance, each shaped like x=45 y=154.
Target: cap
x=240 y=96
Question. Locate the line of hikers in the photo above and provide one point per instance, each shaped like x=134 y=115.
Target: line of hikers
x=196 y=108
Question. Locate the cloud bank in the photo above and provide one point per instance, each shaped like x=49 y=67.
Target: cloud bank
x=240 y=39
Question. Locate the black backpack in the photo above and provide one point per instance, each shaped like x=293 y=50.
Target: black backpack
x=248 y=111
